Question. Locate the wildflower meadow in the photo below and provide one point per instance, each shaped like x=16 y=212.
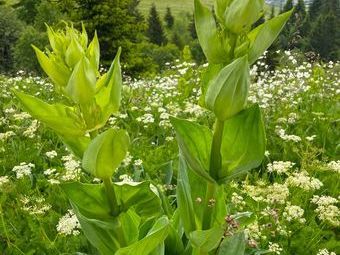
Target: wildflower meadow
x=229 y=156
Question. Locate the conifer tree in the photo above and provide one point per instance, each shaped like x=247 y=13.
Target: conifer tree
x=325 y=34
x=288 y=6
x=169 y=19
x=177 y=40
x=155 y=30
x=291 y=36
x=27 y=10
x=192 y=28
x=314 y=10
x=118 y=24
x=272 y=12
x=259 y=21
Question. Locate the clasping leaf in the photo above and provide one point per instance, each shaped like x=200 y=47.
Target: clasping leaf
x=195 y=143
x=81 y=86
x=60 y=118
x=208 y=35
x=264 y=35
x=227 y=93
x=105 y=153
x=241 y=14
x=243 y=143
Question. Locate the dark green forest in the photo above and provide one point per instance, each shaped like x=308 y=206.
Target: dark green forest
x=150 y=41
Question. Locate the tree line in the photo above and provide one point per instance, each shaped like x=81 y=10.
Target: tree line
x=149 y=42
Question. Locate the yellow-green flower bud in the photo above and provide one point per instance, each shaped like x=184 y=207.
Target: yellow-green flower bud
x=227 y=93
x=241 y=14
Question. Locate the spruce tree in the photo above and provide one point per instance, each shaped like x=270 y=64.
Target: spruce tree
x=177 y=40
x=169 y=19
x=27 y=10
x=272 y=12
x=288 y=6
x=192 y=28
x=10 y=29
x=314 y=10
x=118 y=24
x=291 y=36
x=259 y=21
x=325 y=34
x=155 y=30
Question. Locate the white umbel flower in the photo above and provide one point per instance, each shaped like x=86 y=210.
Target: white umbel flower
x=68 y=224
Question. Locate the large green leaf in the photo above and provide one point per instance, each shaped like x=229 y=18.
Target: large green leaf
x=228 y=91
x=207 y=240
x=208 y=75
x=59 y=74
x=74 y=53
x=241 y=14
x=264 y=35
x=233 y=245
x=151 y=241
x=142 y=196
x=191 y=195
x=106 y=152
x=173 y=243
x=59 y=117
x=243 y=143
x=109 y=89
x=184 y=199
x=208 y=35
x=110 y=235
x=195 y=143
x=93 y=52
x=92 y=202
x=220 y=7
x=81 y=86
x=76 y=144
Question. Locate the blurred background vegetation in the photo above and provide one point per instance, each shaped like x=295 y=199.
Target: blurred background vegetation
x=154 y=32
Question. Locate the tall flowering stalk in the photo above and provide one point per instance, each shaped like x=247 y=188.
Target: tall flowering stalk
x=136 y=218
x=116 y=217
x=210 y=158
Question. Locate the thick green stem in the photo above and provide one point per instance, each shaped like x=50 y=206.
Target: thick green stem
x=233 y=42
x=215 y=156
x=214 y=170
x=110 y=192
x=208 y=205
x=93 y=134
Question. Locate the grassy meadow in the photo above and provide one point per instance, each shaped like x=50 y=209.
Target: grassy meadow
x=294 y=194
x=177 y=6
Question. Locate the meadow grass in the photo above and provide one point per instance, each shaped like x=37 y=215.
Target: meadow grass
x=293 y=195
x=177 y=6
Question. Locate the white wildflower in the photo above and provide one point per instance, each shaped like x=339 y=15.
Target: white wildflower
x=138 y=162
x=334 y=166
x=294 y=213
x=325 y=252
x=274 y=248
x=310 y=138
x=35 y=205
x=30 y=131
x=23 y=169
x=126 y=178
x=68 y=224
x=127 y=160
x=238 y=200
x=49 y=171
x=3 y=180
x=280 y=167
x=327 y=210
x=6 y=135
x=304 y=181
x=277 y=194
x=51 y=154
